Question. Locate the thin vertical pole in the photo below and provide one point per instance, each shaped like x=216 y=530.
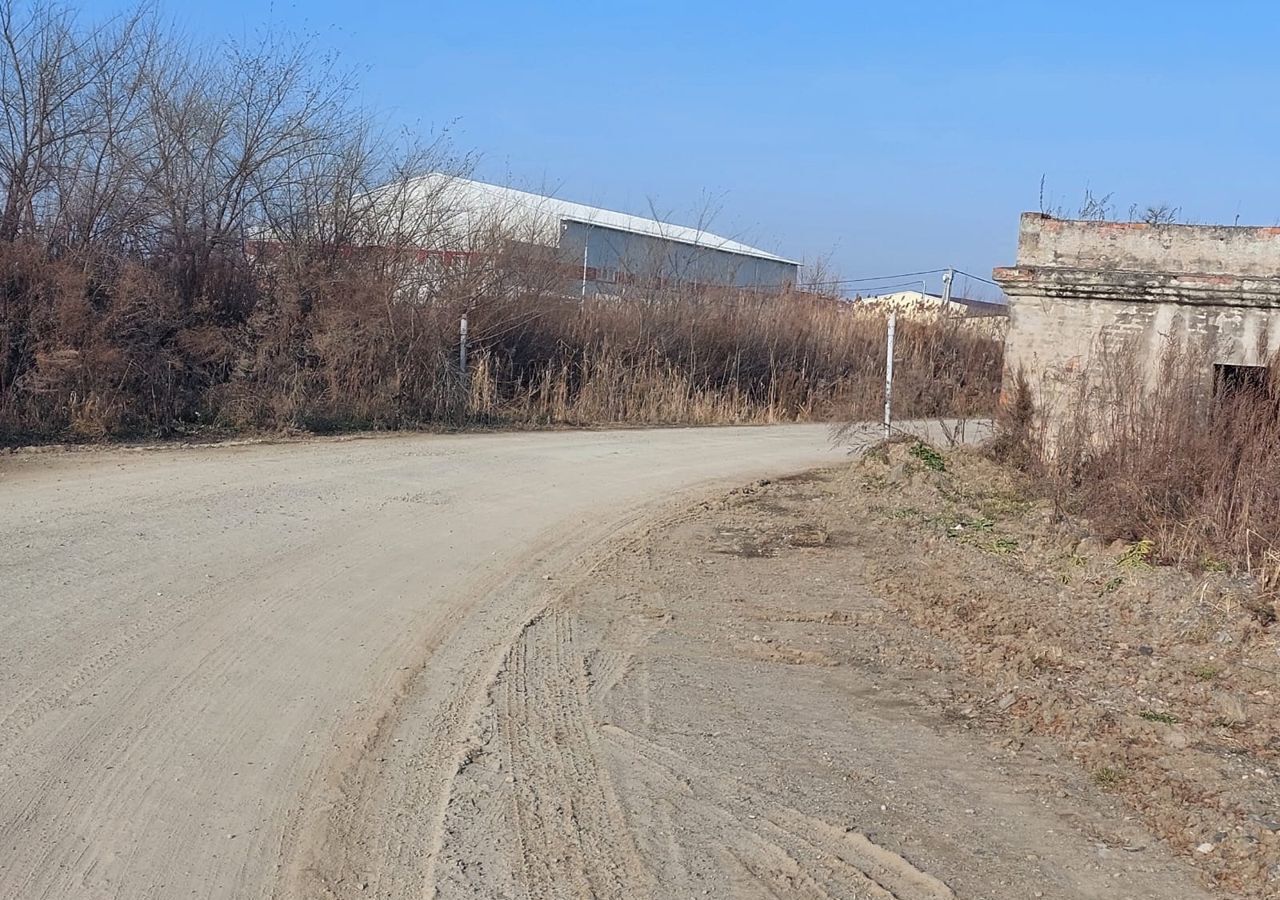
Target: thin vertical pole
x=462 y=349
x=586 y=242
x=888 y=375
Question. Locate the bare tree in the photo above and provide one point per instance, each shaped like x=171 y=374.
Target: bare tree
x=48 y=70
x=1164 y=214
x=230 y=133
x=102 y=186
x=820 y=277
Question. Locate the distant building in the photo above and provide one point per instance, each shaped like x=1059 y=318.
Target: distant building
x=608 y=252
x=924 y=305
x=1081 y=288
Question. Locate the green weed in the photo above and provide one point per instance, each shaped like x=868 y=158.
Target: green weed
x=961 y=525
x=931 y=459
x=1137 y=555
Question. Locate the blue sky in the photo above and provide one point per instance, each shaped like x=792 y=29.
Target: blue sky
x=891 y=136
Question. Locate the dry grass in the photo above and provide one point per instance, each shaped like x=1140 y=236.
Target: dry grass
x=1158 y=681
x=223 y=239
x=132 y=361
x=1168 y=460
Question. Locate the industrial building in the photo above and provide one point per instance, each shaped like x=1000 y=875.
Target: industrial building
x=607 y=252
x=1083 y=288
x=927 y=306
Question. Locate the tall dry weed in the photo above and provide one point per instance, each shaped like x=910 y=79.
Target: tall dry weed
x=359 y=356
x=220 y=239
x=1168 y=456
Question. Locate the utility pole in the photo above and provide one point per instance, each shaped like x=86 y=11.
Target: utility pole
x=947 y=277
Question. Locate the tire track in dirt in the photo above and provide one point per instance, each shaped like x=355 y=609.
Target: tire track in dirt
x=797 y=854
x=361 y=825
x=365 y=828
x=568 y=835
x=571 y=829
x=539 y=753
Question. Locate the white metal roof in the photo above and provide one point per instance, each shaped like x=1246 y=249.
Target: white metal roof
x=472 y=203
x=925 y=300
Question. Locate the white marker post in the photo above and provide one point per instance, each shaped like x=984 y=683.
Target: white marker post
x=888 y=375
x=462 y=350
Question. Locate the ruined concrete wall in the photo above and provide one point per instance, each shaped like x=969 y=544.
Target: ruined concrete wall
x=1084 y=291
x=1137 y=247
x=1059 y=345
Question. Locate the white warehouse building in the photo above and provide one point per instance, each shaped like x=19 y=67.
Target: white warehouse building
x=611 y=250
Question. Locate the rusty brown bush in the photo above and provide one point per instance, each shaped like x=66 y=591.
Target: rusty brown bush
x=1172 y=459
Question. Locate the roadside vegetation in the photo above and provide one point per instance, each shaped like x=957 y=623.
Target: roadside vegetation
x=1184 y=471
x=217 y=240
x=1156 y=680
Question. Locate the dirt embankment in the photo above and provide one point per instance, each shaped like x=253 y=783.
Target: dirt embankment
x=1160 y=685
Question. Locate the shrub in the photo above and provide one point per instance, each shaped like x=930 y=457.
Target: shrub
x=195 y=239
x=1183 y=469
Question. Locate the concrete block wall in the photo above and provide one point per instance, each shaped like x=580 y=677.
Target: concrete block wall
x=1058 y=344
x=1083 y=288
x=1138 y=247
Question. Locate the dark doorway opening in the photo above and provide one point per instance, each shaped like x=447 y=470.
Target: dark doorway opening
x=1231 y=381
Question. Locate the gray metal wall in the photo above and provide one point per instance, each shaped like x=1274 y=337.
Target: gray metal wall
x=623 y=258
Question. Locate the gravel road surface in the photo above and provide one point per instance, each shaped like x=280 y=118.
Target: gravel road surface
x=211 y=659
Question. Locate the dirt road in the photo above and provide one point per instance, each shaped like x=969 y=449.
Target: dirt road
x=531 y=666
x=206 y=653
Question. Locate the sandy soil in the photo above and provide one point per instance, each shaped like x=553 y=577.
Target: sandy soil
x=519 y=666
x=728 y=706
x=244 y=672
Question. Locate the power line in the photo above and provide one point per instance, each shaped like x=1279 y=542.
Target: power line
x=897 y=285
x=880 y=277
x=896 y=282
x=977 y=278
